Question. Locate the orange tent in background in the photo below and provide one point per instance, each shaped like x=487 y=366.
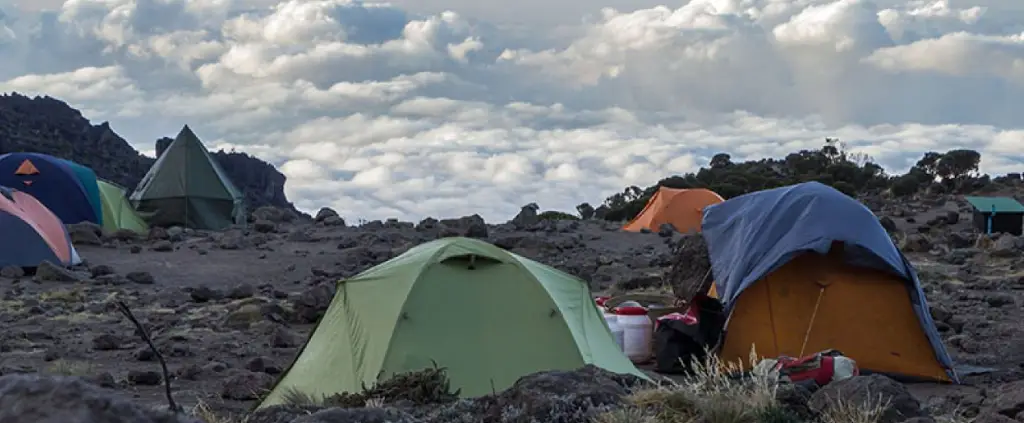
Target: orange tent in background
x=682 y=208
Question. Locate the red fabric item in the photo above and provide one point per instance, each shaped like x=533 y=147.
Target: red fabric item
x=819 y=367
x=631 y=311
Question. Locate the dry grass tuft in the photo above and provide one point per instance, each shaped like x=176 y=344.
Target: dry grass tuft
x=958 y=415
x=712 y=394
x=66 y=296
x=205 y=413
x=375 y=402
x=716 y=393
x=625 y=415
x=292 y=396
x=71 y=368
x=843 y=411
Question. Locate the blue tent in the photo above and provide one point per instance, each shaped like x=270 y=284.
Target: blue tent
x=90 y=183
x=56 y=183
x=751 y=236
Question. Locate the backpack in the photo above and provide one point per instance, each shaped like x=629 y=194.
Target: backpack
x=682 y=339
x=820 y=368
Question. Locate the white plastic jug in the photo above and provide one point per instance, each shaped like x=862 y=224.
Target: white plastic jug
x=637 y=333
x=612 y=321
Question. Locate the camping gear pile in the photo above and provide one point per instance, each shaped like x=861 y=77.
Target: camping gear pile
x=42 y=194
x=813 y=371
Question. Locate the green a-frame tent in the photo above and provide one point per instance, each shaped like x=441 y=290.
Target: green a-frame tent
x=186 y=187
x=487 y=315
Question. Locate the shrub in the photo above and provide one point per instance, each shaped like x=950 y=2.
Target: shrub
x=853 y=174
x=556 y=215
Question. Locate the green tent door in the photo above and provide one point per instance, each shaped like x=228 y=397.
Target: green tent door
x=489 y=316
x=486 y=325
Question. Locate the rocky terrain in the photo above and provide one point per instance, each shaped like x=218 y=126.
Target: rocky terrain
x=49 y=126
x=229 y=309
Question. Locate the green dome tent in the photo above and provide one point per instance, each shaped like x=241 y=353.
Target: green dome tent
x=118 y=213
x=487 y=315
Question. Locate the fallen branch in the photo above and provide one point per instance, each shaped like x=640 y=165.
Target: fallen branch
x=123 y=308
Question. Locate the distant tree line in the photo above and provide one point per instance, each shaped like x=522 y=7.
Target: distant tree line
x=851 y=173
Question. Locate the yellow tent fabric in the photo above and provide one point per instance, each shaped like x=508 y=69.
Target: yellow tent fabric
x=817 y=302
x=682 y=208
x=118 y=213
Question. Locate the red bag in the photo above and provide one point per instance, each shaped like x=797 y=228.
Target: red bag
x=823 y=367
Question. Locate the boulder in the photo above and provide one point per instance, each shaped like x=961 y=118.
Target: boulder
x=57 y=399
x=893 y=401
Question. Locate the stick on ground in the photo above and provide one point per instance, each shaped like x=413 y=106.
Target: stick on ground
x=123 y=308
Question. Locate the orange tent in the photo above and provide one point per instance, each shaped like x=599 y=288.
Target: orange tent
x=682 y=208
x=817 y=302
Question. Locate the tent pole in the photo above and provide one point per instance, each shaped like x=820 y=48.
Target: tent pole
x=185 y=223
x=814 y=314
x=991 y=216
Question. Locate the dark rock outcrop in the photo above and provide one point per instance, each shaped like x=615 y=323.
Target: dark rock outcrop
x=50 y=126
x=553 y=396
x=53 y=399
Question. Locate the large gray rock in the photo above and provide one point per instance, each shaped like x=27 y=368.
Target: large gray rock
x=526 y=218
x=865 y=393
x=361 y=415
x=57 y=399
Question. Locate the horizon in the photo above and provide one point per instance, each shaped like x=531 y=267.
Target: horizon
x=448 y=108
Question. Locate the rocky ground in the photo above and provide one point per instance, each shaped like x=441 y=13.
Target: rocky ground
x=230 y=309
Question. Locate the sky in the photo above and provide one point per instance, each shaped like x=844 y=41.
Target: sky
x=445 y=108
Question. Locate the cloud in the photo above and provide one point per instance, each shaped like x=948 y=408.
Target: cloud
x=381 y=111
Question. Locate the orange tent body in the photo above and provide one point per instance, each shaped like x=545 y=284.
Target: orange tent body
x=682 y=208
x=817 y=302
x=32 y=233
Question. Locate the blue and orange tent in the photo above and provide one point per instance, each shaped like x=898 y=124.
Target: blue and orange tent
x=68 y=189
x=804 y=268
x=32 y=233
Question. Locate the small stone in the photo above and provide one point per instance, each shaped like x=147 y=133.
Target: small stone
x=163 y=246
x=49 y=272
x=12 y=272
x=101 y=270
x=264 y=226
x=141 y=278
x=106 y=342
x=203 y=294
x=144 y=377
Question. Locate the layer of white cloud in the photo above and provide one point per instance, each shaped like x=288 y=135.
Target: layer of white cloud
x=382 y=112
